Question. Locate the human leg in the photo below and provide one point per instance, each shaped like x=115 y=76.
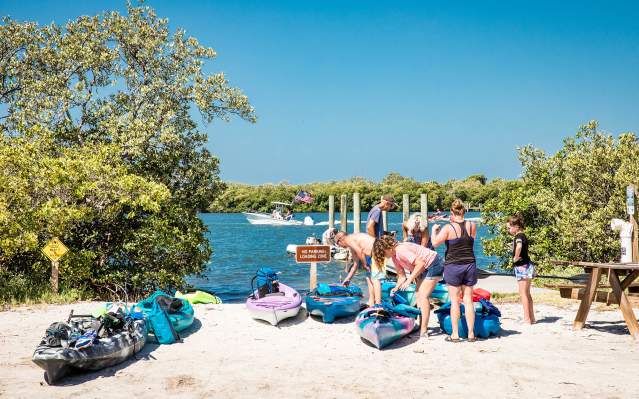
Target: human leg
x=424 y=289
x=469 y=311
x=453 y=294
x=526 y=300
x=371 y=291
x=377 y=289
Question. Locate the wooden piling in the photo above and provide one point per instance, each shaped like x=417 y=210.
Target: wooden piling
x=405 y=207
x=423 y=198
x=357 y=216
x=331 y=211
x=343 y=209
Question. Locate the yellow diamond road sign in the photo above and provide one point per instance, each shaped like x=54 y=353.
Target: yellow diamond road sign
x=55 y=249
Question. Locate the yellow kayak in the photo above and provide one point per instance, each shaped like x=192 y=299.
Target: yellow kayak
x=198 y=297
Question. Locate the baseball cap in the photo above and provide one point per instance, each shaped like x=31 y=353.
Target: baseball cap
x=389 y=198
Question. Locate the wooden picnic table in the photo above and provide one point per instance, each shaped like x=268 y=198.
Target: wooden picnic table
x=618 y=288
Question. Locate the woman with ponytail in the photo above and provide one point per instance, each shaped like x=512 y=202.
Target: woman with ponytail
x=460 y=270
x=414 y=264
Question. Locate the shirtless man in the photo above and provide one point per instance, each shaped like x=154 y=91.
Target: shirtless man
x=361 y=246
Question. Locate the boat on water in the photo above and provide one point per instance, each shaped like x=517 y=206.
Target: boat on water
x=277 y=217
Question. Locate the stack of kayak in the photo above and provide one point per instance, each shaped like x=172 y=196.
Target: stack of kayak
x=332 y=301
x=85 y=342
x=271 y=300
x=381 y=325
x=487 y=316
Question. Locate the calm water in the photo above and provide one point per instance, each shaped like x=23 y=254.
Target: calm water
x=240 y=248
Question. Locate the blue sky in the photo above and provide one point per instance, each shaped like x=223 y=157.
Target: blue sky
x=431 y=90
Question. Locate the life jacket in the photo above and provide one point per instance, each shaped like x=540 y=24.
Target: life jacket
x=266 y=280
x=324 y=289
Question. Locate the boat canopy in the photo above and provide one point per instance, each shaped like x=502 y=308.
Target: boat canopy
x=281 y=203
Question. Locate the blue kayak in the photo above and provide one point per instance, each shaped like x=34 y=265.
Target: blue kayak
x=440 y=292
x=181 y=316
x=332 y=301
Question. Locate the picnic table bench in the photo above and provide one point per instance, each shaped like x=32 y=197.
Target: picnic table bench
x=614 y=270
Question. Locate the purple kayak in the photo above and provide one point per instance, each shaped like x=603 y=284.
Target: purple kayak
x=275 y=307
x=381 y=328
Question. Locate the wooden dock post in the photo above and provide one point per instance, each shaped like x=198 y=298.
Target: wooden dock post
x=357 y=216
x=343 y=209
x=331 y=211
x=312 y=284
x=423 y=199
x=405 y=207
x=384 y=219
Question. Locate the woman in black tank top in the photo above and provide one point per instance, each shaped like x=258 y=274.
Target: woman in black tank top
x=460 y=271
x=459 y=251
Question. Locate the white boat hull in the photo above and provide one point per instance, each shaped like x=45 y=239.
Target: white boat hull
x=274 y=316
x=264 y=218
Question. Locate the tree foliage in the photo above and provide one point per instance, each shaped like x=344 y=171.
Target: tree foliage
x=100 y=147
x=568 y=198
x=474 y=190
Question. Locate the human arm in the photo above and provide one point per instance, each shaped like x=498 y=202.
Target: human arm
x=425 y=237
x=404 y=232
x=518 y=246
x=439 y=235
x=420 y=265
x=401 y=277
x=357 y=254
x=370 y=228
x=352 y=270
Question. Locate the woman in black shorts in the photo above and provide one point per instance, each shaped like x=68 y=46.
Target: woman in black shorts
x=460 y=270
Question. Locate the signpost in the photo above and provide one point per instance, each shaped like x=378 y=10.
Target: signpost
x=54 y=250
x=313 y=254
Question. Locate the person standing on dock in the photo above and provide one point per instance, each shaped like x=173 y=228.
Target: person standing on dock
x=460 y=269
x=361 y=247
x=374 y=225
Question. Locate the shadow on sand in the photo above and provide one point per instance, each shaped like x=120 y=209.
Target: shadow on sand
x=610 y=327
x=548 y=319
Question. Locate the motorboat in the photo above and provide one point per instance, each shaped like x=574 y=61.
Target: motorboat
x=277 y=217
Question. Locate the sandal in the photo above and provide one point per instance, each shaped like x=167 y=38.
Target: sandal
x=473 y=339
x=451 y=339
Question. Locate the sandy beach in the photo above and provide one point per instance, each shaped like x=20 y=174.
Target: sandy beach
x=228 y=355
